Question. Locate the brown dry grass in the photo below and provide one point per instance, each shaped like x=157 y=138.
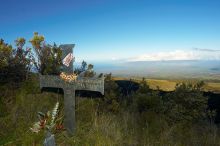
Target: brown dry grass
x=169 y=85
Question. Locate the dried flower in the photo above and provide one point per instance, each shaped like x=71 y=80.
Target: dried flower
x=54 y=113
x=68 y=78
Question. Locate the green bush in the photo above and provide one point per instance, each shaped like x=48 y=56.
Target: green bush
x=147 y=102
x=15 y=64
x=110 y=101
x=186 y=103
x=49 y=59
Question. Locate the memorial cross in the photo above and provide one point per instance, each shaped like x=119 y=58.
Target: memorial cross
x=69 y=88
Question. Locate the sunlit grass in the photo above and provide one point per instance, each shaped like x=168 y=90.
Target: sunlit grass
x=169 y=85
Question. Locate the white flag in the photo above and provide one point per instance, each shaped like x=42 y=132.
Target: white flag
x=68 y=59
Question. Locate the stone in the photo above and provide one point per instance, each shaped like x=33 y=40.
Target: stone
x=50 y=140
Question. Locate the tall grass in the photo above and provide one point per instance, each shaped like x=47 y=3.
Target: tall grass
x=132 y=129
x=97 y=127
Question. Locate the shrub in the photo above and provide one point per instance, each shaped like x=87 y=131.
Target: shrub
x=186 y=103
x=110 y=101
x=15 y=64
x=147 y=102
x=49 y=59
x=85 y=70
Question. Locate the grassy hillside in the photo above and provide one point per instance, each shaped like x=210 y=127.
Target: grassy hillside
x=20 y=108
x=214 y=87
x=100 y=121
x=169 y=85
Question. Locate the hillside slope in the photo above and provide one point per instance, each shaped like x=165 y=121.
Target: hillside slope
x=100 y=121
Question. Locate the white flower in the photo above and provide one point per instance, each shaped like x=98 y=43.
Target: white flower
x=54 y=113
x=36 y=127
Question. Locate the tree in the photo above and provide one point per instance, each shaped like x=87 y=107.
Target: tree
x=85 y=70
x=82 y=68
x=20 y=42
x=49 y=57
x=89 y=71
x=15 y=64
x=144 y=87
x=5 y=54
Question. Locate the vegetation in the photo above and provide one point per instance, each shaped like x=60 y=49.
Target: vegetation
x=143 y=118
x=48 y=56
x=170 y=85
x=15 y=63
x=85 y=70
x=137 y=117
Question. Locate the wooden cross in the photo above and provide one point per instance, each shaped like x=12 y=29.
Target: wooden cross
x=69 y=88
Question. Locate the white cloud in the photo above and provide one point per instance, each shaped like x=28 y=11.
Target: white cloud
x=194 y=54
x=206 y=50
x=113 y=58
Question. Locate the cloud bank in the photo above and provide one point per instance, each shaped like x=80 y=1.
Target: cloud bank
x=194 y=54
x=206 y=50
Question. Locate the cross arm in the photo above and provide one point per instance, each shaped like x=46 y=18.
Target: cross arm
x=89 y=84
x=51 y=81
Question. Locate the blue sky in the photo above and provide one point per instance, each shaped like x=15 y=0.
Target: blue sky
x=106 y=30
